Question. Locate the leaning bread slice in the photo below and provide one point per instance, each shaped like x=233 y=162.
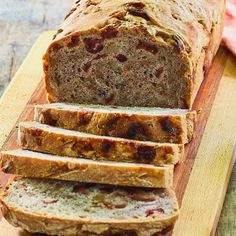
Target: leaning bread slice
x=33 y=164
x=139 y=123
x=69 y=208
x=47 y=139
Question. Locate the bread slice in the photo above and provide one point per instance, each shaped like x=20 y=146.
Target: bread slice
x=69 y=208
x=139 y=123
x=33 y=164
x=47 y=139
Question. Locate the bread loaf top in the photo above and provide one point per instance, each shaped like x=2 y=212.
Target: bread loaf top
x=185 y=24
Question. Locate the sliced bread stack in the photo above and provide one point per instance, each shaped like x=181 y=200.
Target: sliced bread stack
x=111 y=170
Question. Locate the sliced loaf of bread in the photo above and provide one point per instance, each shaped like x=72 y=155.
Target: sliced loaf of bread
x=47 y=139
x=33 y=164
x=139 y=123
x=69 y=208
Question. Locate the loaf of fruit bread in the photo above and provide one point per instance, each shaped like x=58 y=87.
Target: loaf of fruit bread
x=47 y=139
x=133 y=53
x=39 y=165
x=69 y=208
x=138 y=123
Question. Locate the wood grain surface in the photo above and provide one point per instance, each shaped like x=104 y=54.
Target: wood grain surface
x=211 y=163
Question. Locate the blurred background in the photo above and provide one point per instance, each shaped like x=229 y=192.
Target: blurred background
x=21 y=22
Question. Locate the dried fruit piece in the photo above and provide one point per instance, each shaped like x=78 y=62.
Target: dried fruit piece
x=109 y=33
x=159 y=72
x=93 y=45
x=121 y=58
x=36 y=132
x=136 y=129
x=85 y=118
x=80 y=189
x=141 y=197
x=146 y=153
x=147 y=47
x=167 y=126
x=46 y=118
x=106 y=146
x=50 y=201
x=151 y=211
x=73 y=41
x=55 y=47
x=109 y=100
x=87 y=66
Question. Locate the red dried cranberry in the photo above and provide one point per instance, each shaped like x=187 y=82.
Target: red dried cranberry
x=120 y=206
x=151 y=211
x=108 y=206
x=93 y=45
x=121 y=58
x=141 y=197
x=148 y=47
x=85 y=117
x=50 y=201
x=109 y=33
x=46 y=118
x=87 y=66
x=112 y=206
x=159 y=72
x=36 y=132
x=109 y=100
x=73 y=41
x=80 y=189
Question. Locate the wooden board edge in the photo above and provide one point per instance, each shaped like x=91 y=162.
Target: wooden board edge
x=222 y=198
x=214 y=162
x=21 y=88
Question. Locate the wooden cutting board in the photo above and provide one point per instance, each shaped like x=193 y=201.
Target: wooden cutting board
x=200 y=182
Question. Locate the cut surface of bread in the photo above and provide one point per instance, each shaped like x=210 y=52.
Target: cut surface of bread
x=138 y=123
x=133 y=53
x=69 y=208
x=47 y=139
x=34 y=164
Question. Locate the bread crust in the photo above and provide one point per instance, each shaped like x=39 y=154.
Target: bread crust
x=30 y=164
x=193 y=28
x=57 y=225
x=42 y=138
x=166 y=128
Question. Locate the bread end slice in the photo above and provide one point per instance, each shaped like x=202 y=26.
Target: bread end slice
x=69 y=208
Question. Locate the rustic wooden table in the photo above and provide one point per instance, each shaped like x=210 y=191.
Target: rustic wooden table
x=21 y=22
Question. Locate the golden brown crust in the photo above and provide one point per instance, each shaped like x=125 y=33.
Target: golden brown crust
x=43 y=138
x=46 y=166
x=172 y=128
